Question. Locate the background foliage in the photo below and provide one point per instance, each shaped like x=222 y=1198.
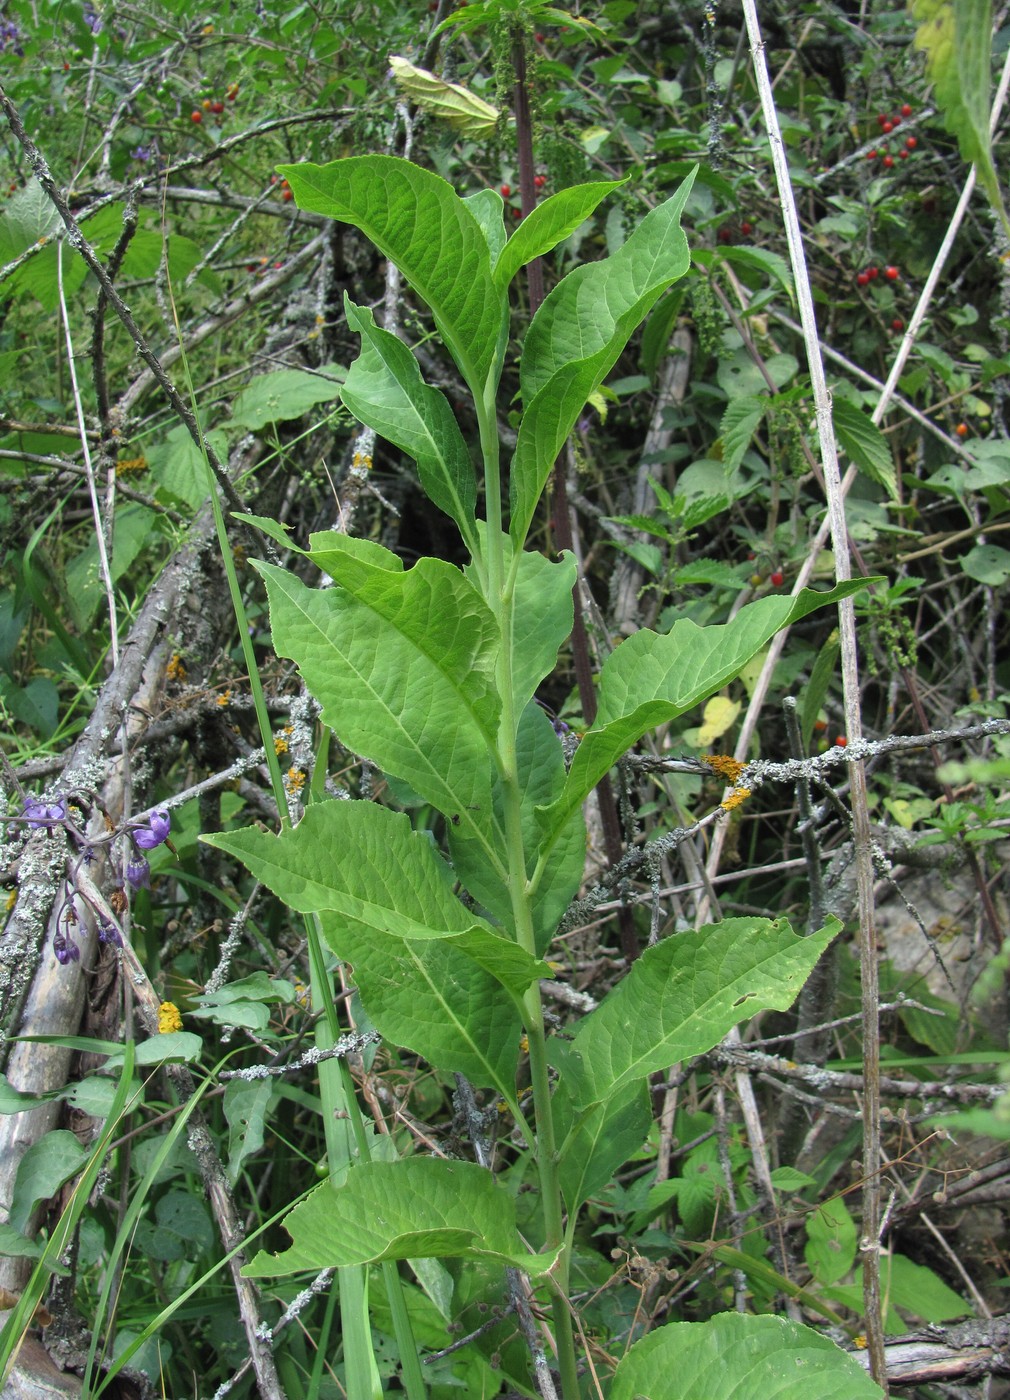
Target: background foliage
x=695 y=488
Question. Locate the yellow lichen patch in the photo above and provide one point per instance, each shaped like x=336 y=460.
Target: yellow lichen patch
x=735 y=798
x=131 y=464
x=280 y=744
x=176 y=669
x=294 y=781
x=724 y=766
x=224 y=699
x=169 y=1019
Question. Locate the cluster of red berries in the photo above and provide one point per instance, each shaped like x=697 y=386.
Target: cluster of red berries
x=870 y=274
x=887 y=124
x=214 y=106
x=261 y=266
x=286 y=194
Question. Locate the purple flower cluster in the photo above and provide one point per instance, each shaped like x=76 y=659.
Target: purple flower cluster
x=159 y=824
x=10 y=38
x=42 y=815
x=92 y=19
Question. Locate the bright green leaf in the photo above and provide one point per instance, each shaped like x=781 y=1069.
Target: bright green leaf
x=385 y=390
x=420 y=1207
x=830 y=1250
x=552 y=221
x=739 y=1357
x=575 y=339
x=683 y=996
x=860 y=437
x=651 y=679
x=284 y=394
x=416 y=219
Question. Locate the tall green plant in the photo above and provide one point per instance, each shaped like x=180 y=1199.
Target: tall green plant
x=430 y=674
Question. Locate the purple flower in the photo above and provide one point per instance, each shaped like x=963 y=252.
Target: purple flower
x=43 y=815
x=138 y=873
x=141 y=152
x=159 y=824
x=66 y=950
x=10 y=38
x=108 y=933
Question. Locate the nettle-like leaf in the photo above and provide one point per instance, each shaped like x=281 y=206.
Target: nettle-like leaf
x=575 y=339
x=956 y=36
x=651 y=679
x=860 y=437
x=418 y=1208
x=402 y=663
x=385 y=390
x=743 y=1358
x=416 y=219
x=682 y=997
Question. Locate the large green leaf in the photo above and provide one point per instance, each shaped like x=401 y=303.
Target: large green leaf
x=541 y=619
x=682 y=997
x=575 y=338
x=416 y=219
x=417 y=1208
x=434 y=1000
x=385 y=390
x=738 y=1357
x=541 y=770
x=549 y=223
x=403 y=666
x=369 y=867
x=651 y=679
x=956 y=36
x=596 y=1141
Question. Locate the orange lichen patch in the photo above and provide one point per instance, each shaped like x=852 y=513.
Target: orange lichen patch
x=224 y=699
x=735 y=798
x=723 y=765
x=131 y=464
x=176 y=669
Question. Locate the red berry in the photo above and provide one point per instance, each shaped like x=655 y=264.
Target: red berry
x=540 y=181
x=881 y=119
x=66 y=67
x=725 y=234
x=873 y=273
x=911 y=143
x=871 y=155
x=903 y=155
x=746 y=229
x=887 y=128
x=906 y=110
x=962 y=430
x=539 y=38
x=841 y=741
x=217 y=108
x=863 y=279
x=232 y=92
x=888 y=161
x=273 y=179
x=897 y=324
x=776 y=579
x=895 y=121
x=517 y=213
x=506 y=190
x=892 y=274
x=196 y=116
x=286 y=195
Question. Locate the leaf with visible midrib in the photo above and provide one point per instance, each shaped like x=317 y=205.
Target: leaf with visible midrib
x=419 y=1207
x=416 y=219
x=738 y=1357
x=575 y=339
x=652 y=678
x=402 y=663
x=369 y=867
x=682 y=997
x=385 y=390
